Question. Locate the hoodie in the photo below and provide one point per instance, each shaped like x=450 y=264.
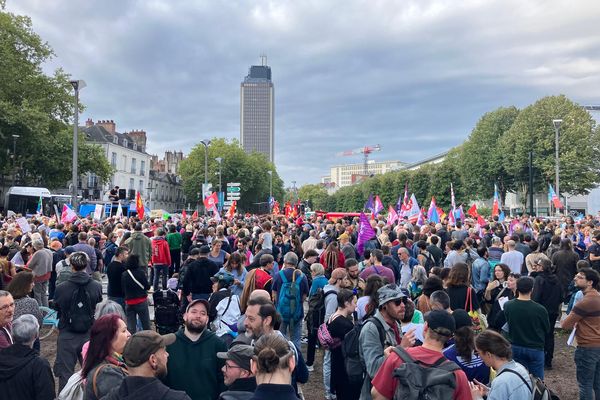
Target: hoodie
x=160 y=251
x=194 y=367
x=24 y=375
x=141 y=246
x=141 y=388
x=64 y=295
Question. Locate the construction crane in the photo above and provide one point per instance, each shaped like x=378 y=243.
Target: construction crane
x=365 y=151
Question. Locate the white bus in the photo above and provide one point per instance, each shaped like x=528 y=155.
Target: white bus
x=24 y=200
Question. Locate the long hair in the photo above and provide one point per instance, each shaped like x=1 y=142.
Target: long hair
x=464 y=340
x=249 y=286
x=459 y=275
x=20 y=285
x=374 y=282
x=331 y=256
x=235 y=258
x=102 y=334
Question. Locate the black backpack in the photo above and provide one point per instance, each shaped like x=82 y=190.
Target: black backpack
x=316 y=309
x=81 y=313
x=355 y=368
x=429 y=262
x=167 y=314
x=417 y=380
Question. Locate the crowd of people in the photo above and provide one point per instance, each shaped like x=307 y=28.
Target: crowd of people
x=241 y=307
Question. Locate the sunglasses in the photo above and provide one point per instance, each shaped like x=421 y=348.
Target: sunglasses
x=397 y=302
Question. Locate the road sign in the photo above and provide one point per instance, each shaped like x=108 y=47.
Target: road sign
x=233 y=189
x=233 y=184
x=227 y=203
x=233 y=196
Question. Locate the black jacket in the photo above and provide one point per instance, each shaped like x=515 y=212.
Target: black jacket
x=269 y=391
x=64 y=294
x=240 y=389
x=131 y=289
x=114 y=272
x=24 y=375
x=197 y=277
x=140 y=388
x=547 y=291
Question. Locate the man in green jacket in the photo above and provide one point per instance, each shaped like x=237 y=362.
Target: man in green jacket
x=140 y=245
x=174 y=239
x=193 y=363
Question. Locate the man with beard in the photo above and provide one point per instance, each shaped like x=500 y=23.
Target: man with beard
x=146 y=357
x=357 y=284
x=261 y=319
x=193 y=363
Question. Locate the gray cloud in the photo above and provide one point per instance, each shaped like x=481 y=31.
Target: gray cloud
x=413 y=76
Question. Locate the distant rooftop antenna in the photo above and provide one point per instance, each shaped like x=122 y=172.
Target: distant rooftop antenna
x=263 y=60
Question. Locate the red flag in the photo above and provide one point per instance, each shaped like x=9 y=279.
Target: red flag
x=231 y=211
x=473 y=211
x=195 y=215
x=276 y=208
x=211 y=201
x=480 y=221
x=139 y=205
x=183 y=215
x=287 y=209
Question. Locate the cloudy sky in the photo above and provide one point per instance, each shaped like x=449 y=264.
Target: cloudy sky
x=413 y=76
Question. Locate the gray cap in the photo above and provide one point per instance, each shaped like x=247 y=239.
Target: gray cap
x=239 y=354
x=389 y=292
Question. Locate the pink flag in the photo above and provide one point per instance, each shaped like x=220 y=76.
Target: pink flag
x=67 y=215
x=377 y=205
x=392 y=216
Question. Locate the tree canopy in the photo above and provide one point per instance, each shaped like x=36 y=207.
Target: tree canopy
x=496 y=152
x=250 y=170
x=37 y=108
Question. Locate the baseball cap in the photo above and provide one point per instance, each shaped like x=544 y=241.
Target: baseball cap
x=223 y=276
x=389 y=293
x=194 y=302
x=143 y=344
x=441 y=321
x=239 y=354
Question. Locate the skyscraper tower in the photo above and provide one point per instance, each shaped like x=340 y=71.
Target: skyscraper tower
x=257 y=111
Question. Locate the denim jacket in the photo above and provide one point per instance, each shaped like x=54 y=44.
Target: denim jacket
x=508 y=386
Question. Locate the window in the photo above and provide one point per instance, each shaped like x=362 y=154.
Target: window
x=135 y=146
x=131 y=184
x=124 y=163
x=142 y=168
x=141 y=186
x=116 y=139
x=124 y=142
x=113 y=160
x=92 y=181
x=133 y=162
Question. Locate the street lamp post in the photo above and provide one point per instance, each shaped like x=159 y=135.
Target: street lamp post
x=77 y=85
x=557 y=123
x=270 y=188
x=15 y=137
x=206 y=143
x=220 y=161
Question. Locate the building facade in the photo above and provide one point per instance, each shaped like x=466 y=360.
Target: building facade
x=126 y=153
x=349 y=174
x=257 y=112
x=165 y=192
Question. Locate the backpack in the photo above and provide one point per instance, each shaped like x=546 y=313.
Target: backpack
x=539 y=392
x=429 y=262
x=316 y=309
x=74 y=389
x=289 y=302
x=81 y=313
x=355 y=368
x=417 y=380
x=167 y=315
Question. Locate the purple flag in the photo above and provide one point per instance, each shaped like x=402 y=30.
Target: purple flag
x=369 y=204
x=365 y=233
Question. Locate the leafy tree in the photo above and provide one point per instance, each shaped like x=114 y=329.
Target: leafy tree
x=316 y=194
x=250 y=170
x=533 y=130
x=37 y=108
x=481 y=159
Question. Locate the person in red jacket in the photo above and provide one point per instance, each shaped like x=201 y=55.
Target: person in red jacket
x=332 y=258
x=161 y=258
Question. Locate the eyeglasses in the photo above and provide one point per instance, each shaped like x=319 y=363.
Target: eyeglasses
x=397 y=302
x=228 y=366
x=7 y=306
